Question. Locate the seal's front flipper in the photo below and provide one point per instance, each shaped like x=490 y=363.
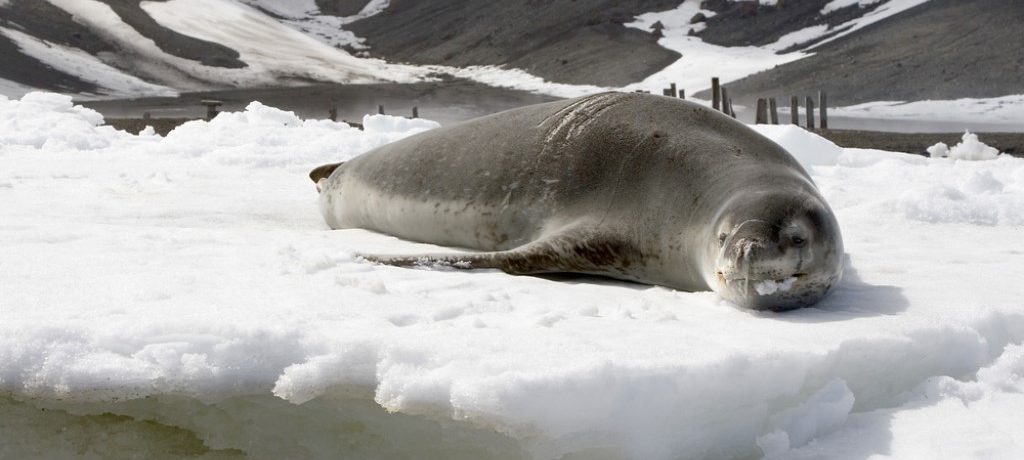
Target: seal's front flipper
x=323 y=172
x=569 y=252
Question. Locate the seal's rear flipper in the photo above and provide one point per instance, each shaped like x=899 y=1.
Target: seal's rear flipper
x=573 y=251
x=322 y=172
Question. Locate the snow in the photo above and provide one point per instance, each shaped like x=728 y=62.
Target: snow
x=1007 y=110
x=189 y=281
x=700 y=61
x=518 y=79
x=969 y=148
x=13 y=89
x=839 y=4
x=291 y=9
x=883 y=11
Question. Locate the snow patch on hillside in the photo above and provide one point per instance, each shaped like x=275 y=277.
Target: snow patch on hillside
x=884 y=11
x=85 y=66
x=13 y=89
x=273 y=50
x=700 y=61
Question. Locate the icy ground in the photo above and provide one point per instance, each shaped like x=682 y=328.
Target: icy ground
x=182 y=295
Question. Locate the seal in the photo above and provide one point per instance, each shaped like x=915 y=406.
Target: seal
x=631 y=186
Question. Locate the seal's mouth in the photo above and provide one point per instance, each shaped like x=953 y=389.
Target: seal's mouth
x=732 y=278
x=763 y=287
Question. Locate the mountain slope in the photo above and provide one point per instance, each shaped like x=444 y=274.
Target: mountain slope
x=566 y=41
x=944 y=49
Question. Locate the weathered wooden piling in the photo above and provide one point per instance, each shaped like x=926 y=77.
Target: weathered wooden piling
x=682 y=94
x=715 y=94
x=667 y=92
x=211 y=107
x=810 y=112
x=380 y=109
x=332 y=113
x=823 y=108
x=794 y=110
x=761 y=117
x=773 y=110
x=675 y=93
x=415 y=112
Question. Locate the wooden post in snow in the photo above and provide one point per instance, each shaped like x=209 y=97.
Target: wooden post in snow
x=415 y=112
x=761 y=117
x=332 y=113
x=794 y=110
x=675 y=93
x=810 y=113
x=823 y=107
x=380 y=109
x=211 y=107
x=725 y=101
x=773 y=110
x=715 y=94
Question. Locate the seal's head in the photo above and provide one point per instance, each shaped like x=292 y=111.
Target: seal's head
x=775 y=251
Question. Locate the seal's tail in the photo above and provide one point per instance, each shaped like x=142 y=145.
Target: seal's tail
x=322 y=172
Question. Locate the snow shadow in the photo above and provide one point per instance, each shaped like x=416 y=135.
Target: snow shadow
x=852 y=298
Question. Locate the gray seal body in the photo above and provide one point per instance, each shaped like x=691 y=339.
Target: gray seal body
x=631 y=186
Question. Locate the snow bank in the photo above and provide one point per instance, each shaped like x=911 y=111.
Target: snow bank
x=49 y=121
x=808 y=148
x=184 y=291
x=1008 y=110
x=969 y=148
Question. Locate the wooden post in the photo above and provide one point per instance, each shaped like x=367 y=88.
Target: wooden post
x=731 y=111
x=667 y=92
x=380 y=109
x=725 y=100
x=415 y=112
x=332 y=113
x=673 y=88
x=794 y=110
x=715 y=94
x=823 y=108
x=773 y=110
x=211 y=107
x=761 y=118
x=682 y=94
x=147 y=116
x=810 y=112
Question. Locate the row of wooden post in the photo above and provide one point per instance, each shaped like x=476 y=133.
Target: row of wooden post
x=767 y=111
x=333 y=112
x=767 y=108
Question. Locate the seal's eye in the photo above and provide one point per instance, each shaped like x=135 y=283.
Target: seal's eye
x=797 y=240
x=721 y=238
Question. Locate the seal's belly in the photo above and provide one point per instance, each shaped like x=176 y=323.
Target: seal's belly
x=466 y=221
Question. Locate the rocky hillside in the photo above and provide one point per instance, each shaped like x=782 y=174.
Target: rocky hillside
x=943 y=49
x=119 y=48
